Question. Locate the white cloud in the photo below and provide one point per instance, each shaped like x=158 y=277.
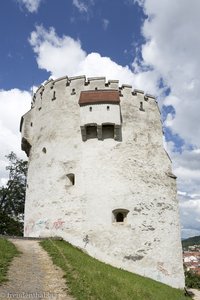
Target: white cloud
x=190 y=212
x=186 y=166
x=83 y=6
x=171 y=49
x=105 y=23
x=54 y=54
x=14 y=103
x=31 y=5
x=3 y=181
x=80 y=5
x=64 y=55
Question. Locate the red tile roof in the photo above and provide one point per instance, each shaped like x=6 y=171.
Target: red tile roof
x=191 y=253
x=99 y=96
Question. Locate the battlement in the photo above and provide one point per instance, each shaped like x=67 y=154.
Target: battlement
x=101 y=108
x=81 y=83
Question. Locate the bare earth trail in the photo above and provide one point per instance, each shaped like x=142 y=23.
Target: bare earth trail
x=32 y=275
x=196 y=294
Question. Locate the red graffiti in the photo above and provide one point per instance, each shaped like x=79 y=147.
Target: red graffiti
x=58 y=224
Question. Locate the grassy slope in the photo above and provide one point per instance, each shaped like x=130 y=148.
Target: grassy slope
x=7 y=252
x=88 y=278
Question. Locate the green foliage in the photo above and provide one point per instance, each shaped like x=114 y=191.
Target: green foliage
x=7 y=252
x=192 y=280
x=195 y=240
x=88 y=278
x=10 y=226
x=12 y=197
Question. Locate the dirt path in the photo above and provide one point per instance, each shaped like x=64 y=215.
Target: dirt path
x=32 y=275
x=196 y=294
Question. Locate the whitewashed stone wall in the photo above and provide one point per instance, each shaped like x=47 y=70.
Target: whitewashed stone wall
x=132 y=174
x=100 y=113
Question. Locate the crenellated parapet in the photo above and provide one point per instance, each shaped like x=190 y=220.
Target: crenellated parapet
x=63 y=94
x=74 y=85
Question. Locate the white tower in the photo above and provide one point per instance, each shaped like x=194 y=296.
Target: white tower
x=99 y=176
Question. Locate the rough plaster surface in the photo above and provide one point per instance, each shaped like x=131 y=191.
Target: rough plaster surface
x=32 y=275
x=132 y=174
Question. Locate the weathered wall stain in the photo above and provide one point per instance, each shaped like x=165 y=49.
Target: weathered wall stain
x=134 y=257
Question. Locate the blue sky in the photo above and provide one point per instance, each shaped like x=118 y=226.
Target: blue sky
x=100 y=28
x=152 y=45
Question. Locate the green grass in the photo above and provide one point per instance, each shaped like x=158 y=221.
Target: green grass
x=88 y=278
x=7 y=252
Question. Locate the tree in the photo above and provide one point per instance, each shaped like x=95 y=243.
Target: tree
x=192 y=280
x=12 y=197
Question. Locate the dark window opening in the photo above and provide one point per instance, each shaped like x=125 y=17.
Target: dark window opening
x=91 y=132
x=102 y=132
x=119 y=217
x=54 y=96
x=71 y=178
x=31 y=124
x=44 y=150
x=141 y=106
x=108 y=107
x=107 y=132
x=90 y=108
x=73 y=92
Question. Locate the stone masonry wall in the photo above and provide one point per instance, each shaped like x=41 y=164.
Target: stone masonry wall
x=131 y=175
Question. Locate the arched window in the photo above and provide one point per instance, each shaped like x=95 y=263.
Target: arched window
x=120 y=215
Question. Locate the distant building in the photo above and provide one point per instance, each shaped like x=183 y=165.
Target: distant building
x=99 y=176
x=191 y=260
x=194 y=248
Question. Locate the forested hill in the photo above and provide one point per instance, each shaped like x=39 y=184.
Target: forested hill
x=195 y=240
